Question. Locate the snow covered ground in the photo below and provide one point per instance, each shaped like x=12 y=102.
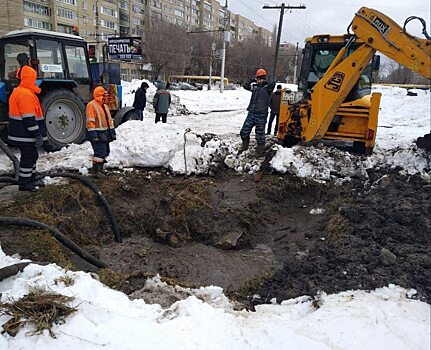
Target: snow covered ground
x=206 y=319
x=145 y=144
x=106 y=319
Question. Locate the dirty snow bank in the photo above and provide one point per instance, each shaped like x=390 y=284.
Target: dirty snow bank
x=205 y=318
x=145 y=144
x=326 y=163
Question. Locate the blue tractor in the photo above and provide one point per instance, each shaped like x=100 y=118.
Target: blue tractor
x=66 y=77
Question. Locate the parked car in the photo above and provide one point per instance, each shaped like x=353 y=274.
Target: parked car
x=230 y=87
x=198 y=86
x=187 y=86
x=158 y=83
x=174 y=86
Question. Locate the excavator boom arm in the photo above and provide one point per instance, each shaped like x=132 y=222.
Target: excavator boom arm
x=384 y=35
x=379 y=33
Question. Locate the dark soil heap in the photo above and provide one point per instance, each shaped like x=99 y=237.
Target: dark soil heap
x=379 y=235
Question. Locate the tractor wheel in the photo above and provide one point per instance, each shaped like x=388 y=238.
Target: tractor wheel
x=64 y=118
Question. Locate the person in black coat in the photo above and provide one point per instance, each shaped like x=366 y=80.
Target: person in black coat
x=274 y=105
x=257 y=110
x=141 y=100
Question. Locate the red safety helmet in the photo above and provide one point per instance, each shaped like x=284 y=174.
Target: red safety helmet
x=260 y=72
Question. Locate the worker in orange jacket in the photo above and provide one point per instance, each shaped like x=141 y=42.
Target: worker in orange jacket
x=100 y=128
x=26 y=128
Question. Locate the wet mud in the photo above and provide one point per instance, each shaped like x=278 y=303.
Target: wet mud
x=278 y=237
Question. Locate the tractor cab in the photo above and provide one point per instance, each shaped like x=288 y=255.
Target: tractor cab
x=65 y=76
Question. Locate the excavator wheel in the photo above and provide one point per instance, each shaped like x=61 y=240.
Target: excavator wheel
x=359 y=147
x=290 y=141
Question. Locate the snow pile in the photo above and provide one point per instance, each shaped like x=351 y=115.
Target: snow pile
x=145 y=144
x=205 y=318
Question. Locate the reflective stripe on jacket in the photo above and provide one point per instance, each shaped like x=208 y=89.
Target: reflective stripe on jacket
x=26 y=120
x=96 y=118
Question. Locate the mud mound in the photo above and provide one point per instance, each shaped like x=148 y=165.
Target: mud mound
x=424 y=142
x=384 y=239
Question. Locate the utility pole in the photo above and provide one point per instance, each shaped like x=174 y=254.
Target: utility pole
x=296 y=64
x=225 y=38
x=97 y=31
x=283 y=8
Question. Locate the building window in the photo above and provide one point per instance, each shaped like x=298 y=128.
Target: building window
x=36 y=8
x=124 y=74
x=36 y=23
x=84 y=5
x=108 y=24
x=179 y=13
x=124 y=5
x=134 y=73
x=108 y=11
x=69 y=2
x=156 y=4
x=137 y=9
x=139 y=22
x=124 y=30
x=65 y=13
x=64 y=29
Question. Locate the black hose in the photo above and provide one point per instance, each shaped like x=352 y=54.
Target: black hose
x=57 y=235
x=8 y=179
x=12 y=270
x=11 y=156
x=102 y=198
x=424 y=25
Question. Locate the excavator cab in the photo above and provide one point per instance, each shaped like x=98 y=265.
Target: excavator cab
x=319 y=53
x=351 y=123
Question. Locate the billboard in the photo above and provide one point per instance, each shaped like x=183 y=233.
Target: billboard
x=128 y=48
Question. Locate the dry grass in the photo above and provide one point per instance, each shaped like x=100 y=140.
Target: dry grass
x=187 y=200
x=40 y=308
x=113 y=279
x=337 y=227
x=66 y=280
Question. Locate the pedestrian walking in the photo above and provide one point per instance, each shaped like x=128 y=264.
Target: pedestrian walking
x=141 y=100
x=100 y=129
x=161 y=103
x=257 y=110
x=274 y=105
x=26 y=128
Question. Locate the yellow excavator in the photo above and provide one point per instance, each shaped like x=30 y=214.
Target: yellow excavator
x=334 y=99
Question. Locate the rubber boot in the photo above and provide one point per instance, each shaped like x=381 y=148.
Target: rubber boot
x=37 y=183
x=245 y=143
x=96 y=170
x=260 y=149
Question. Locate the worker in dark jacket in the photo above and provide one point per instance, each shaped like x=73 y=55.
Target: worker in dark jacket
x=274 y=105
x=141 y=100
x=257 y=110
x=161 y=103
x=26 y=127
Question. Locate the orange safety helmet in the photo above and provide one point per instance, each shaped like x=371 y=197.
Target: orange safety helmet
x=260 y=72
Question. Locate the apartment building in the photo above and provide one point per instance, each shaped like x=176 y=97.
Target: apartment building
x=96 y=20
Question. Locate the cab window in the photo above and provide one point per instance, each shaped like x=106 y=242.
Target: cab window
x=11 y=51
x=77 y=64
x=50 y=59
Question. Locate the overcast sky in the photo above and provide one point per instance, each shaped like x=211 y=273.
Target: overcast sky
x=327 y=17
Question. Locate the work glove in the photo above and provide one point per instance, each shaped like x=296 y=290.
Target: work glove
x=39 y=141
